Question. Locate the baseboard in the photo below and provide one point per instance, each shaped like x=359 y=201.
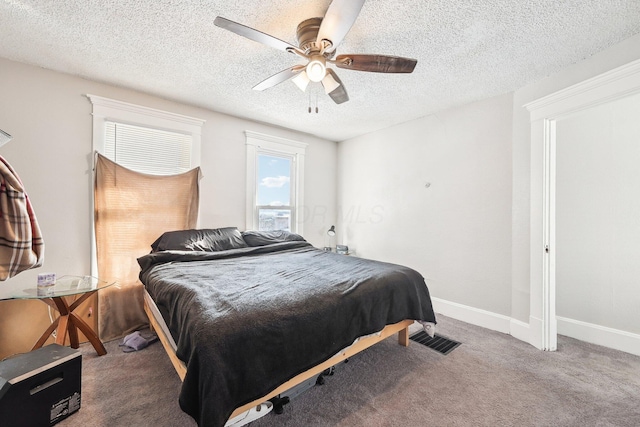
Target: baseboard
x=595 y=334
x=520 y=330
x=475 y=316
x=600 y=335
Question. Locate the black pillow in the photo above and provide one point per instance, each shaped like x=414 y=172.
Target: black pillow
x=211 y=239
x=261 y=238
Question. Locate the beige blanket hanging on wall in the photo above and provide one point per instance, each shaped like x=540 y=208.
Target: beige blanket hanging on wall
x=21 y=244
x=132 y=210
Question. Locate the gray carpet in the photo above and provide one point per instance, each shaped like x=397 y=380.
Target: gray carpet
x=492 y=379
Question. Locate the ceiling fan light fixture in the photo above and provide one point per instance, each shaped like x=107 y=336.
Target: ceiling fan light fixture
x=330 y=84
x=301 y=80
x=316 y=68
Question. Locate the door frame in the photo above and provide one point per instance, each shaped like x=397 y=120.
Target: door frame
x=544 y=114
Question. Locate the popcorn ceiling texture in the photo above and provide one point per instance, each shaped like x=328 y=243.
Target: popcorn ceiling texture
x=467 y=50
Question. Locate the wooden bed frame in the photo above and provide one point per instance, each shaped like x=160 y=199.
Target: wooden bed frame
x=401 y=328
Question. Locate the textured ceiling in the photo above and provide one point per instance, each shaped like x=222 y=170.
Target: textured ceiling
x=466 y=50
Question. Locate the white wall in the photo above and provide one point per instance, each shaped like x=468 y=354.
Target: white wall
x=382 y=197
x=222 y=193
x=598 y=215
x=50 y=120
x=456 y=232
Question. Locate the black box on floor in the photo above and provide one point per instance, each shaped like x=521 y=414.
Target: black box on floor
x=41 y=387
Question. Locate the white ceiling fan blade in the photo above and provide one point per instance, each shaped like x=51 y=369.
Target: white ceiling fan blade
x=278 y=78
x=253 y=34
x=338 y=21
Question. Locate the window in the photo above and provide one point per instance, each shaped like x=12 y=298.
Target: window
x=145 y=153
x=275 y=170
x=145 y=139
x=274 y=192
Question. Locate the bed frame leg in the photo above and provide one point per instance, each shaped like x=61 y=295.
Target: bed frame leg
x=403 y=337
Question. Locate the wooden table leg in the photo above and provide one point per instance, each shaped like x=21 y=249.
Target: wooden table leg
x=89 y=333
x=74 y=342
x=68 y=323
x=61 y=332
x=45 y=336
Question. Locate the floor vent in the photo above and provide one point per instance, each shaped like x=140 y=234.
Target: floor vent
x=438 y=342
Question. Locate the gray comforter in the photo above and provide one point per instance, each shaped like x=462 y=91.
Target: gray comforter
x=247 y=320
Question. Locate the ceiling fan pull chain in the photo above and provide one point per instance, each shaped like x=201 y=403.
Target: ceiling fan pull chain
x=316 y=103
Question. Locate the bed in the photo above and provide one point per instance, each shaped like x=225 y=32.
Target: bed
x=245 y=316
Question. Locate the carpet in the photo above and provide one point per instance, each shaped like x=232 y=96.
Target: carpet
x=492 y=379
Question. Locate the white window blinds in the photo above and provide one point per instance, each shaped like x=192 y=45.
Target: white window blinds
x=148 y=150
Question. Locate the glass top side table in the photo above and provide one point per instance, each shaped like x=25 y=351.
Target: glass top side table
x=67 y=322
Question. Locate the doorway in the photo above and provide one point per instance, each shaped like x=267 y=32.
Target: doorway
x=545 y=114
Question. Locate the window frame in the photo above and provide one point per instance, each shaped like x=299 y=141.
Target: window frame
x=257 y=144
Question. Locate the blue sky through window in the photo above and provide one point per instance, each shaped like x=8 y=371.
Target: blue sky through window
x=274 y=176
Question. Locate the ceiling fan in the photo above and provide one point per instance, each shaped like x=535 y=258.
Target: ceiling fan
x=318 y=39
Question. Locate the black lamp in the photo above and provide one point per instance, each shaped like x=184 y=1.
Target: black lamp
x=331 y=232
